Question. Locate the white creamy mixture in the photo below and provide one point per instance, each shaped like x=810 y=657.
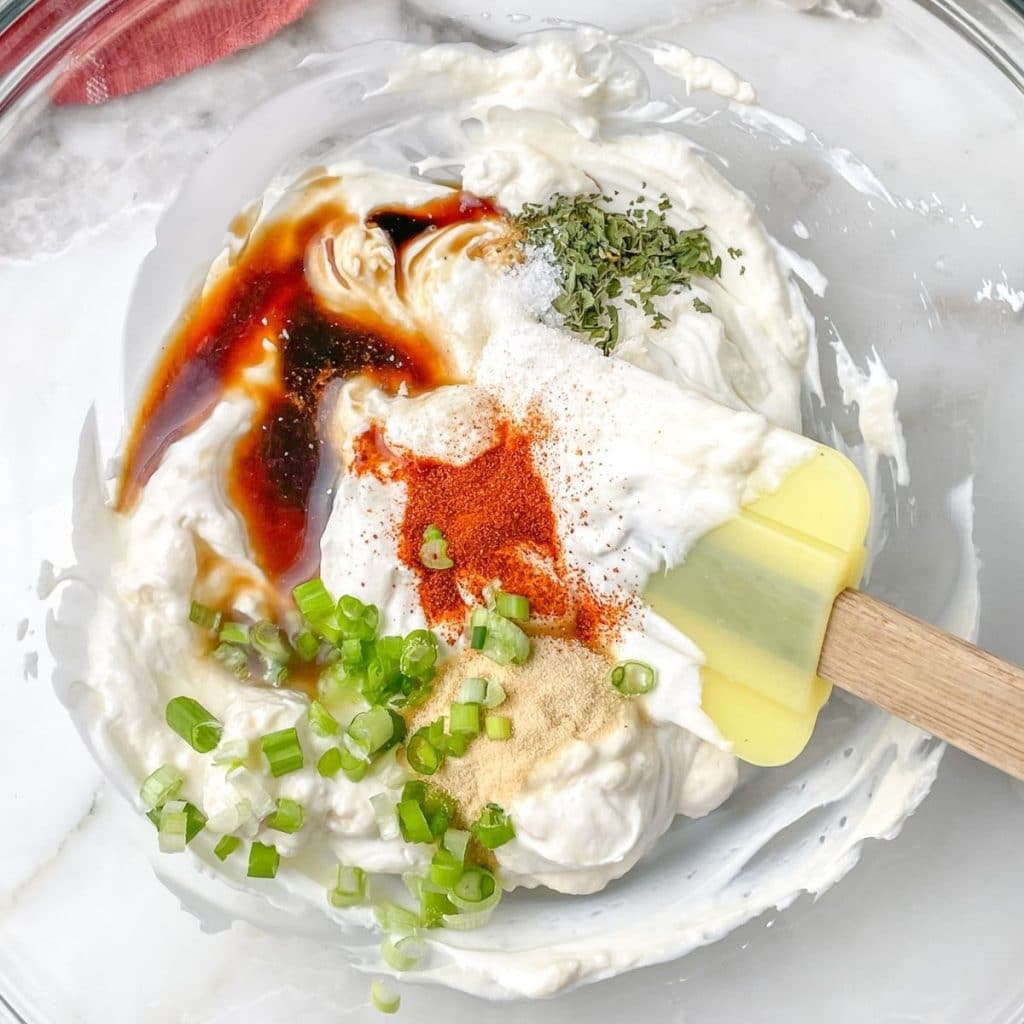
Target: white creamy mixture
x=679 y=428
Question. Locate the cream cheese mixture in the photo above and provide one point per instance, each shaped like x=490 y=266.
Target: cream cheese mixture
x=642 y=452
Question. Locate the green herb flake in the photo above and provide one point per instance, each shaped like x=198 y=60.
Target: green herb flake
x=601 y=251
x=701 y=306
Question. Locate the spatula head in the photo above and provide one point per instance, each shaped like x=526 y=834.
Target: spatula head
x=756 y=594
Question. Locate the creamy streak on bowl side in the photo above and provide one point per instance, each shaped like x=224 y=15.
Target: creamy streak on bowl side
x=374 y=327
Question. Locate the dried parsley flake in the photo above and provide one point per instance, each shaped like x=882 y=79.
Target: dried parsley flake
x=600 y=251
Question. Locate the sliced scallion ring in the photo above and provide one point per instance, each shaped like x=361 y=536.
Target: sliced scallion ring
x=226 y=846
x=350 y=888
x=473 y=690
x=282 y=751
x=383 y=998
x=160 y=786
x=264 y=861
x=403 y=954
x=498 y=727
x=193 y=723
x=512 y=606
x=313 y=600
x=287 y=816
x=632 y=678
x=494 y=827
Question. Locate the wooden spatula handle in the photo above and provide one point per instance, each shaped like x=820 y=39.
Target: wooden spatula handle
x=950 y=688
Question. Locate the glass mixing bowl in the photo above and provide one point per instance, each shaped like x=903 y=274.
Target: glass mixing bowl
x=922 y=255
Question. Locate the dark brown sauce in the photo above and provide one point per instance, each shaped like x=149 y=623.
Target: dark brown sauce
x=281 y=473
x=402 y=224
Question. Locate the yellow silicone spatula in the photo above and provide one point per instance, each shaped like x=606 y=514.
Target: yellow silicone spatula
x=768 y=598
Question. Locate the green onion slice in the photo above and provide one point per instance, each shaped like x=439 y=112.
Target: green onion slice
x=173 y=827
x=432 y=533
x=494 y=827
x=231 y=753
x=270 y=642
x=287 y=816
x=264 y=861
x=446 y=869
x=473 y=690
x=282 y=751
x=464 y=719
x=226 y=846
x=234 y=659
x=194 y=724
x=235 y=633
x=476 y=890
x=396 y=919
x=306 y=644
x=495 y=695
x=160 y=786
x=350 y=889
x=385 y=813
x=204 y=616
x=423 y=756
x=329 y=763
x=321 y=721
x=512 y=606
x=412 y=821
x=434 y=554
x=313 y=600
x=372 y=729
x=498 y=727
x=383 y=998
x=403 y=954
x=632 y=678
x=434 y=904
x=456 y=842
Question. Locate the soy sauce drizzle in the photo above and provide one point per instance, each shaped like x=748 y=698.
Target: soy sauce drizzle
x=281 y=471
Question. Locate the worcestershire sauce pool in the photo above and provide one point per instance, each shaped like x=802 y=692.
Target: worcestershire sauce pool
x=281 y=473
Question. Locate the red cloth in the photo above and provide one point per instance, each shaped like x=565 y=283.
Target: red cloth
x=129 y=51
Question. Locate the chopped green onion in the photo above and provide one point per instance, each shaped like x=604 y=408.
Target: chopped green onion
x=398 y=731
x=235 y=633
x=282 y=751
x=306 y=644
x=160 y=786
x=473 y=690
x=234 y=659
x=415 y=789
x=478 y=638
x=465 y=719
x=350 y=888
x=446 y=869
x=270 y=642
x=264 y=861
x=384 y=811
x=418 y=656
x=456 y=842
x=422 y=755
x=352 y=652
x=172 y=827
x=330 y=763
x=313 y=600
x=204 y=616
x=413 y=823
x=457 y=744
x=495 y=695
x=231 y=752
x=498 y=727
x=396 y=919
x=512 y=606
x=434 y=554
x=404 y=954
x=632 y=678
x=357 y=620
x=287 y=816
x=494 y=827
x=355 y=765
x=196 y=822
x=226 y=846
x=432 y=533
x=434 y=905
x=372 y=729
x=321 y=721
x=504 y=641
x=476 y=890
x=383 y=999
x=193 y=723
